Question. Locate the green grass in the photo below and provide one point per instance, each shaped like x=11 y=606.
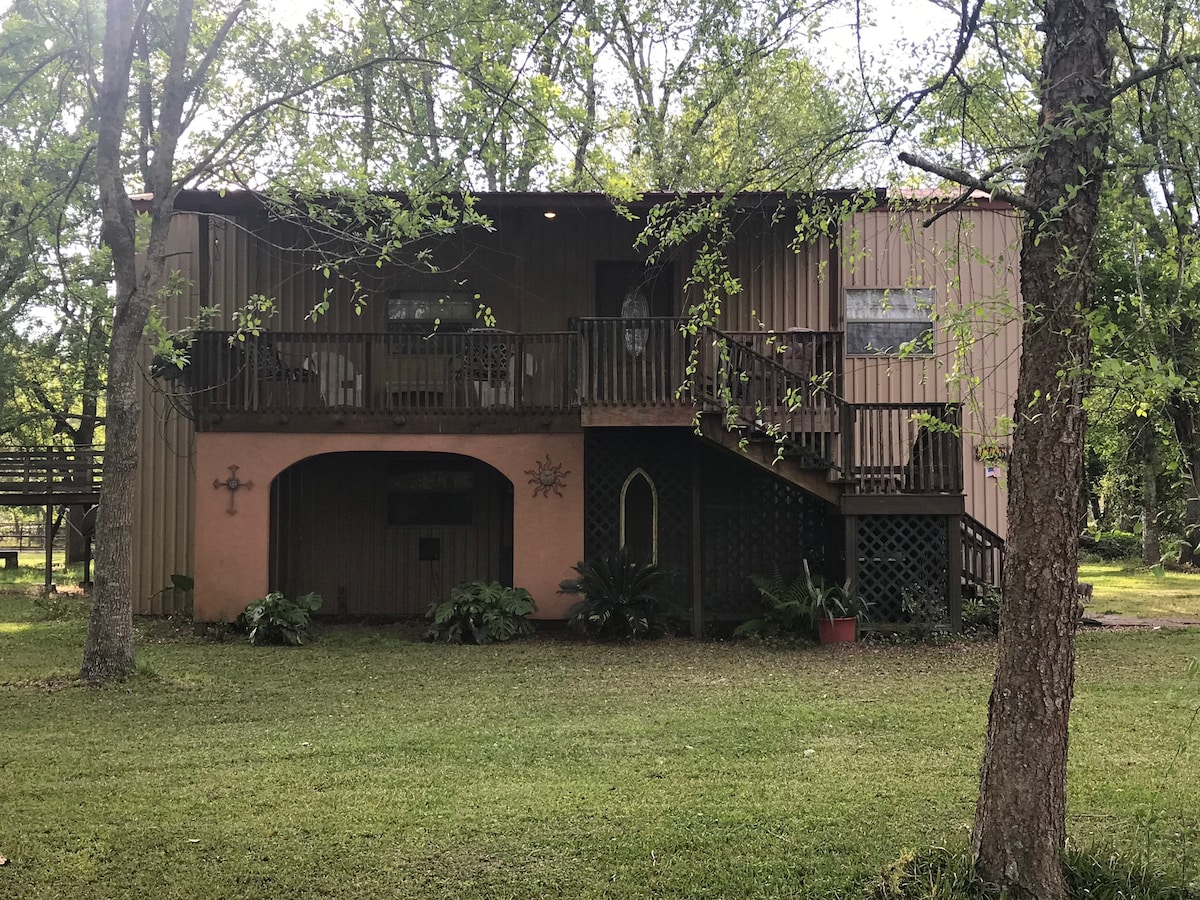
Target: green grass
x=367 y=765
x=31 y=570
x=1127 y=589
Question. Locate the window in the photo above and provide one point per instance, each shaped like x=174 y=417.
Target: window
x=431 y=497
x=883 y=321
x=427 y=311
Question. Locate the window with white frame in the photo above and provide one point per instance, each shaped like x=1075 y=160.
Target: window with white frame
x=889 y=321
x=427 y=311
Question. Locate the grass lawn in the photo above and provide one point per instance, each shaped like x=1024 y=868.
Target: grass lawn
x=1127 y=589
x=31 y=569
x=367 y=765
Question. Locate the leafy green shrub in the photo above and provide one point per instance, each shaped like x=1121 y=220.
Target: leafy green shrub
x=786 y=607
x=981 y=615
x=1111 y=545
x=480 y=613
x=622 y=598
x=792 y=606
x=274 y=619
x=925 y=611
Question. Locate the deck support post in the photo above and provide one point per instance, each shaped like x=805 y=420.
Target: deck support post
x=48 y=541
x=851 y=545
x=954 y=572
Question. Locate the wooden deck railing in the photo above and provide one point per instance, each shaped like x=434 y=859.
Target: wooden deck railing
x=983 y=555
x=50 y=472
x=633 y=362
x=446 y=372
x=902 y=448
x=817 y=354
x=877 y=448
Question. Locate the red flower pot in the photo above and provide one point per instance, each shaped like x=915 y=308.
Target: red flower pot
x=837 y=631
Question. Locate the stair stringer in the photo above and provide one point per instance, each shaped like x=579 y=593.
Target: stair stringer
x=765 y=454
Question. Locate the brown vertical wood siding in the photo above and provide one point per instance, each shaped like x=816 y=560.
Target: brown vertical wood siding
x=330 y=533
x=163 y=520
x=970 y=258
x=537 y=273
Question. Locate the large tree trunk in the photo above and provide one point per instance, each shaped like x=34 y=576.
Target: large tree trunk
x=1151 y=532
x=108 y=651
x=1020 y=820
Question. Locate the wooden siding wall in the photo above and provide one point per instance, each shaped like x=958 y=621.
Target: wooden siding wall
x=537 y=273
x=970 y=259
x=330 y=534
x=163 y=520
x=782 y=286
x=533 y=272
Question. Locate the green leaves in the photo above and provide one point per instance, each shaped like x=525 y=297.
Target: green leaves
x=793 y=605
x=623 y=598
x=481 y=613
x=274 y=619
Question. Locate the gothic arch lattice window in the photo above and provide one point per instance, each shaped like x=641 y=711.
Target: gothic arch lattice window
x=639 y=516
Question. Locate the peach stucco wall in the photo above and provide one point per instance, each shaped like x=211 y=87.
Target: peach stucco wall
x=232 y=550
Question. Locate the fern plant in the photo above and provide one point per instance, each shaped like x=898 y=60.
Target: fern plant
x=786 y=607
x=794 y=605
x=481 y=613
x=623 y=598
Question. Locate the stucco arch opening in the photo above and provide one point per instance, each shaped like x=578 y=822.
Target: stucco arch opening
x=234 y=551
x=388 y=534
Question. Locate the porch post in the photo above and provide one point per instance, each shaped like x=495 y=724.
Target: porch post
x=954 y=572
x=49 y=545
x=851 y=542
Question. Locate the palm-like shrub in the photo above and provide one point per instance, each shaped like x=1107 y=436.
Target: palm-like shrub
x=622 y=598
x=481 y=613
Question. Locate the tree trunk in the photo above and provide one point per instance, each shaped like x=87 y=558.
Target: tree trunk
x=1151 y=533
x=1191 y=526
x=1020 y=819
x=108 y=650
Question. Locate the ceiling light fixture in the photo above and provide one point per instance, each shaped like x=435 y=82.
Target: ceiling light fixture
x=549 y=214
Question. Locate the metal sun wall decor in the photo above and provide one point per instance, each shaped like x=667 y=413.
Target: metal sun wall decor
x=547 y=476
x=232 y=484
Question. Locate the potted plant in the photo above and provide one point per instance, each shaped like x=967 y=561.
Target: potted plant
x=835 y=609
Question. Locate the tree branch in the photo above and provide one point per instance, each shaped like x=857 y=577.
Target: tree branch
x=966 y=179
x=1168 y=65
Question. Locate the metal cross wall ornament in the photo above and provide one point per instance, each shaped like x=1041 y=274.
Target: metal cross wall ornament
x=232 y=484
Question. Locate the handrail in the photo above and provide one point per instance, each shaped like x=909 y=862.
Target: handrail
x=733 y=376
x=651 y=369
x=889 y=448
x=51 y=471
x=375 y=373
x=633 y=362
x=982 y=553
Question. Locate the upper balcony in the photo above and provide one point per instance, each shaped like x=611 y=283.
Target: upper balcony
x=603 y=372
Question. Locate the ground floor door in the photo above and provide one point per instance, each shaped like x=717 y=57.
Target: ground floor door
x=386 y=534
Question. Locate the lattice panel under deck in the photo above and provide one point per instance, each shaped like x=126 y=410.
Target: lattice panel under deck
x=897 y=554
x=754 y=523
x=611 y=454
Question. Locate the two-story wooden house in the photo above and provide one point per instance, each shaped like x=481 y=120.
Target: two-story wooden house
x=381 y=458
